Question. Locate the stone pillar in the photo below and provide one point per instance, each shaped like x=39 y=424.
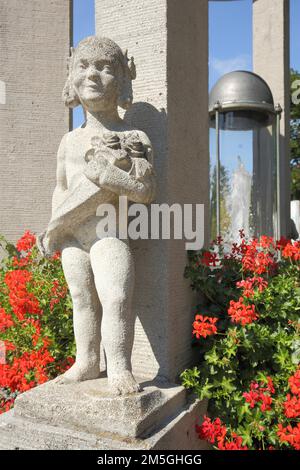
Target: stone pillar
x=169 y=42
x=34 y=46
x=271 y=53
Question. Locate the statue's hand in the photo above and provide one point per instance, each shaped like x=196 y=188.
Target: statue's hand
x=91 y=171
x=95 y=168
x=42 y=242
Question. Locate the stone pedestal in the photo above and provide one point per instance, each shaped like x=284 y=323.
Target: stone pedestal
x=86 y=416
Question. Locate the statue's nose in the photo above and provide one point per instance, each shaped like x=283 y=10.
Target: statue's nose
x=92 y=73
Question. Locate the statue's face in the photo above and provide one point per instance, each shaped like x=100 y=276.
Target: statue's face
x=96 y=81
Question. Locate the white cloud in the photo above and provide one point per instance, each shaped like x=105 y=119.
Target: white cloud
x=222 y=66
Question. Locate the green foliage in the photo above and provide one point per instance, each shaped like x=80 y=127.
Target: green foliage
x=240 y=355
x=36 y=327
x=56 y=318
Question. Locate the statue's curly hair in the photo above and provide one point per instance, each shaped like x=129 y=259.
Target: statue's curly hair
x=108 y=48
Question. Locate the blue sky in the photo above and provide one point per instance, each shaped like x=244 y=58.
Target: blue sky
x=230 y=48
x=295 y=34
x=230 y=40
x=83 y=25
x=230 y=37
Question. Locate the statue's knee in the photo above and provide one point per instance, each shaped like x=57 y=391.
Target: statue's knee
x=79 y=296
x=116 y=301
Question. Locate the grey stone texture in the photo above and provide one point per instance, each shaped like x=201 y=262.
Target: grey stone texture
x=169 y=42
x=271 y=60
x=34 y=47
x=86 y=416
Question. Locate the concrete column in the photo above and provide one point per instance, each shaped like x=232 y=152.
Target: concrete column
x=34 y=46
x=271 y=53
x=169 y=41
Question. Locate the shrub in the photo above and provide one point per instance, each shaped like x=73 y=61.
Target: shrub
x=247 y=331
x=36 y=332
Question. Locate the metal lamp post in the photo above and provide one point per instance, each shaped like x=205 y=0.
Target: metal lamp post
x=242 y=101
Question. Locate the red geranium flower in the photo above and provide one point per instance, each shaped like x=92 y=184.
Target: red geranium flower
x=26 y=242
x=292 y=251
x=211 y=431
x=241 y=313
x=234 y=444
x=6 y=320
x=260 y=393
x=292 y=406
x=290 y=435
x=204 y=326
x=294 y=383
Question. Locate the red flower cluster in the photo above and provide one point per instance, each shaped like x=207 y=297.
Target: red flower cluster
x=26 y=371
x=250 y=283
x=257 y=256
x=266 y=242
x=24 y=326
x=210 y=259
x=292 y=406
x=216 y=432
x=255 y=259
x=211 y=431
x=26 y=242
x=204 y=326
x=57 y=255
x=23 y=371
x=290 y=435
x=17 y=279
x=22 y=302
x=292 y=251
x=256 y=262
x=260 y=393
x=294 y=383
x=241 y=313
x=58 y=292
x=23 y=261
x=234 y=444
x=6 y=320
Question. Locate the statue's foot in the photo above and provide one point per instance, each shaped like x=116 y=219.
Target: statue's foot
x=78 y=373
x=123 y=383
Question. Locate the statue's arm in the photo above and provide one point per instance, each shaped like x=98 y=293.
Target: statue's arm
x=61 y=188
x=138 y=188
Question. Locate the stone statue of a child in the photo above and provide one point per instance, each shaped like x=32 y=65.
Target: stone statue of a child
x=96 y=163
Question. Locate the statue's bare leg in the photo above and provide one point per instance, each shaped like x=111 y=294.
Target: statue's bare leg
x=113 y=267
x=86 y=315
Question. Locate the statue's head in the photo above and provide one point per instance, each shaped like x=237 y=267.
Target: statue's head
x=100 y=76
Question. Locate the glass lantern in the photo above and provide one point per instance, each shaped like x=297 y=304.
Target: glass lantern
x=244 y=158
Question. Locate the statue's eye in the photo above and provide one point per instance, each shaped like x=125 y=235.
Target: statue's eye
x=108 y=68
x=104 y=66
